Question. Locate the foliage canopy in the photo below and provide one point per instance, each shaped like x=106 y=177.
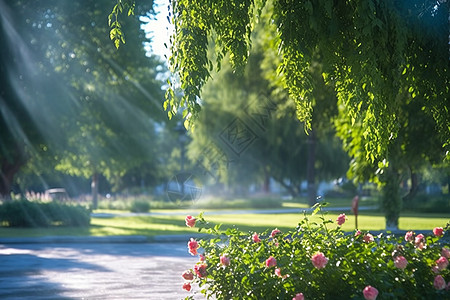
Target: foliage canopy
x=376 y=55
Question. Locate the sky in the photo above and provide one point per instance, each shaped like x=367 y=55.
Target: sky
x=159 y=29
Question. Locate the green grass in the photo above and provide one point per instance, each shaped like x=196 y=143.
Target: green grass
x=166 y=225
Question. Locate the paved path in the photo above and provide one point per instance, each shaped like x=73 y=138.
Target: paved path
x=93 y=271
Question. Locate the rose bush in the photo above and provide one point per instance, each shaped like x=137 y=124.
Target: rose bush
x=319 y=261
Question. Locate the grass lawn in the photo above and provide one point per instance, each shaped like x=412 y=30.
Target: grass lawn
x=174 y=224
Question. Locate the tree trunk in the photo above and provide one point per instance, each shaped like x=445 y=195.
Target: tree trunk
x=266 y=185
x=391 y=200
x=94 y=190
x=8 y=170
x=311 y=172
x=413 y=189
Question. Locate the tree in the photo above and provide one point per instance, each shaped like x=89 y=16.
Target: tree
x=373 y=52
x=104 y=102
x=250 y=129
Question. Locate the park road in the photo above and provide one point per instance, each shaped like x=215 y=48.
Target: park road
x=94 y=271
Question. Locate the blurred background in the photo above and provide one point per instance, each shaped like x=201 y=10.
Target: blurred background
x=83 y=122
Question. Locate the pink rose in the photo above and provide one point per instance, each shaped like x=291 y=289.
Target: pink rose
x=256 y=238
x=368 y=238
x=442 y=263
x=340 y=219
x=438 y=231
x=319 y=260
x=370 y=293
x=187 y=275
x=299 y=296
x=275 y=232
x=419 y=241
x=439 y=282
x=278 y=273
x=201 y=257
x=271 y=262
x=225 y=261
x=400 y=262
x=357 y=232
x=200 y=270
x=190 y=221
x=187 y=286
x=193 y=246
x=445 y=252
x=409 y=236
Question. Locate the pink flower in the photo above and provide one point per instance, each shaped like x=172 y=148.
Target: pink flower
x=225 y=261
x=200 y=270
x=368 y=238
x=187 y=275
x=202 y=257
x=438 y=231
x=340 y=219
x=190 y=221
x=193 y=246
x=275 y=232
x=442 y=263
x=439 y=282
x=357 y=232
x=370 y=293
x=187 y=286
x=400 y=262
x=409 y=236
x=299 y=296
x=319 y=260
x=256 y=238
x=445 y=252
x=419 y=241
x=278 y=273
x=271 y=262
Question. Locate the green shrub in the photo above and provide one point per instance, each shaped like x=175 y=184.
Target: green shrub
x=429 y=204
x=24 y=213
x=318 y=260
x=140 y=206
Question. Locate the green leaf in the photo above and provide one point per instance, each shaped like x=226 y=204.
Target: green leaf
x=316 y=208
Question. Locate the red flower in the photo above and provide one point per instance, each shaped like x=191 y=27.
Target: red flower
x=368 y=238
x=200 y=270
x=187 y=275
x=340 y=219
x=225 y=261
x=370 y=293
x=271 y=262
x=439 y=282
x=409 y=236
x=187 y=286
x=190 y=221
x=319 y=260
x=193 y=246
x=275 y=232
x=299 y=296
x=256 y=238
x=438 y=231
x=442 y=263
x=400 y=262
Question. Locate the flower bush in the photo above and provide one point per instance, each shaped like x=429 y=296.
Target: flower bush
x=318 y=261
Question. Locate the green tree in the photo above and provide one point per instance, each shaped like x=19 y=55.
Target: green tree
x=372 y=52
x=103 y=102
x=278 y=147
